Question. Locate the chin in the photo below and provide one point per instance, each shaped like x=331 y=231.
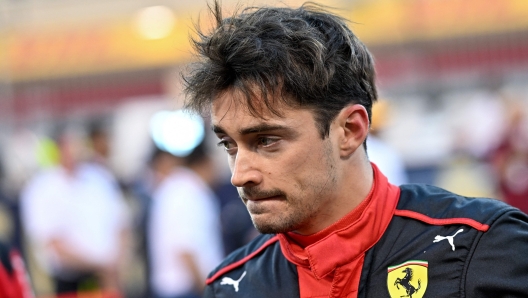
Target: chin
x=273 y=227
x=267 y=229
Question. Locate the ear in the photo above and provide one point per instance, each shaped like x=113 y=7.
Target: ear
x=354 y=127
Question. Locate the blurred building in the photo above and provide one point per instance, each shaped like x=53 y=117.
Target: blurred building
x=65 y=59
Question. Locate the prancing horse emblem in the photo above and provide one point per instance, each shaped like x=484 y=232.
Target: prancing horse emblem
x=408 y=279
x=406 y=283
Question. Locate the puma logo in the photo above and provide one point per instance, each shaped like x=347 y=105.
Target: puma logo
x=450 y=239
x=230 y=281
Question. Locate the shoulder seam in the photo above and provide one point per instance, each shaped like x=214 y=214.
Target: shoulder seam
x=473 y=248
x=442 y=221
x=242 y=261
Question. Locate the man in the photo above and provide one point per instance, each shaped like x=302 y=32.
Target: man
x=184 y=234
x=290 y=93
x=77 y=221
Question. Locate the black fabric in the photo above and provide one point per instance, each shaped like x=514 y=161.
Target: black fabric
x=268 y=274
x=5 y=258
x=483 y=264
x=499 y=263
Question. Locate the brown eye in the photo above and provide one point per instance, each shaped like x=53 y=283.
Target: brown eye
x=227 y=146
x=266 y=141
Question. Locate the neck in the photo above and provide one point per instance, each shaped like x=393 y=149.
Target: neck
x=348 y=213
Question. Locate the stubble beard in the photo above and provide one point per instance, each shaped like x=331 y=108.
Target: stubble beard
x=302 y=208
x=280 y=224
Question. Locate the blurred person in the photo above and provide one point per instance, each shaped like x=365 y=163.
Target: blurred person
x=9 y=219
x=99 y=143
x=76 y=220
x=184 y=235
x=237 y=228
x=476 y=123
x=386 y=158
x=510 y=159
x=290 y=92
x=157 y=168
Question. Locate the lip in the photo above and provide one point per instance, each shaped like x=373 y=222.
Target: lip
x=264 y=205
x=264 y=199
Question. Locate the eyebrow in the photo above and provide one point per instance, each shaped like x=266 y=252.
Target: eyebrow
x=252 y=129
x=217 y=129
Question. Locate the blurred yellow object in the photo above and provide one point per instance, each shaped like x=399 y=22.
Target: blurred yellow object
x=47 y=153
x=380 y=114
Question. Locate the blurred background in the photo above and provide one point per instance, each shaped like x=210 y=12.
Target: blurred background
x=452 y=78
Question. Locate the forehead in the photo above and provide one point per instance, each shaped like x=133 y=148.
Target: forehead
x=231 y=108
x=234 y=102
x=259 y=102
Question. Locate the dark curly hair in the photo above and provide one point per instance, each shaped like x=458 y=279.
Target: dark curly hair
x=306 y=57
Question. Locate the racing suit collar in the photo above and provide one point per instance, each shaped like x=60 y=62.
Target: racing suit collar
x=348 y=238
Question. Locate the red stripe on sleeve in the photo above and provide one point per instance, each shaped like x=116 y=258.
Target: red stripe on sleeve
x=443 y=221
x=242 y=261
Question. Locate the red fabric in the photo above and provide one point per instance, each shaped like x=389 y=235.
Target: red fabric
x=443 y=221
x=20 y=275
x=15 y=285
x=329 y=263
x=7 y=288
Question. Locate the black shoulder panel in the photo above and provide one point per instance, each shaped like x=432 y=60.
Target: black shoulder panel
x=242 y=253
x=438 y=203
x=257 y=270
x=447 y=232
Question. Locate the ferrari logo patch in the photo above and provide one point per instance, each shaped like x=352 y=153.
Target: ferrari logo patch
x=408 y=279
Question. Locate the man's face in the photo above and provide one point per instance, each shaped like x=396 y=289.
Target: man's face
x=72 y=149
x=284 y=171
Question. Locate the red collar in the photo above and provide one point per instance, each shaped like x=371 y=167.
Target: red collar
x=348 y=238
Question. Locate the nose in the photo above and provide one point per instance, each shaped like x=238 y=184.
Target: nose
x=244 y=170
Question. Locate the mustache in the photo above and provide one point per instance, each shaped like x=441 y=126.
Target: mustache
x=255 y=193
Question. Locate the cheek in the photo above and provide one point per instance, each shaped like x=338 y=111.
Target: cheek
x=309 y=159
x=294 y=169
x=230 y=163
